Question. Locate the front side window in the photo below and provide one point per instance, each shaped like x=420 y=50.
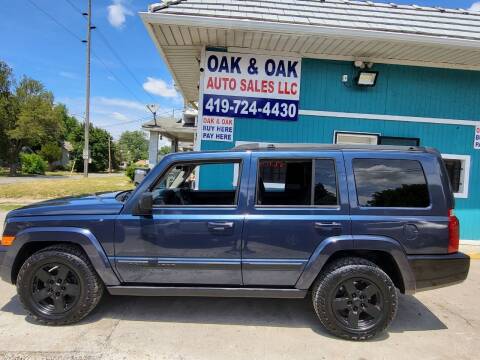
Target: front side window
x=390 y=183
x=198 y=184
x=284 y=182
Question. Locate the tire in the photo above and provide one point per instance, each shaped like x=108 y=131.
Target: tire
x=58 y=285
x=354 y=299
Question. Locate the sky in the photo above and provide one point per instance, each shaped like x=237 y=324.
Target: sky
x=123 y=80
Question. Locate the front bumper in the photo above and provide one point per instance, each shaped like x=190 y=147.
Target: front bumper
x=434 y=271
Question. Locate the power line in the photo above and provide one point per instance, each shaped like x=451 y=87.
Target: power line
x=110 y=47
x=75 y=7
x=115 y=77
x=137 y=120
x=125 y=122
x=51 y=17
x=55 y=20
x=114 y=52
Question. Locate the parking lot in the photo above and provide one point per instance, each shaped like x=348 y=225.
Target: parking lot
x=440 y=324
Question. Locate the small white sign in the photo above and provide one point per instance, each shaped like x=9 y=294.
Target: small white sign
x=217 y=128
x=476 y=142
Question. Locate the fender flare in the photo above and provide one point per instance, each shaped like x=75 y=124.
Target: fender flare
x=330 y=246
x=82 y=237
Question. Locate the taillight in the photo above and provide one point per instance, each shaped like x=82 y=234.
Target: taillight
x=453 y=232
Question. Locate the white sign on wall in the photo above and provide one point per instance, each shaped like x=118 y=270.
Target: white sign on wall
x=251 y=86
x=217 y=128
x=476 y=142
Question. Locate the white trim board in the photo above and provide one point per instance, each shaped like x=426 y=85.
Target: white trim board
x=388 y=117
x=470 y=242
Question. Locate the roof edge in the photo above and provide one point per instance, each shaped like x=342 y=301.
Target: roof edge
x=299 y=29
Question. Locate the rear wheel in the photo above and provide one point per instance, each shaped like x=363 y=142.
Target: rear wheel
x=58 y=285
x=354 y=299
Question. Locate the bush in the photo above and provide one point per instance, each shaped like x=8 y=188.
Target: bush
x=51 y=152
x=33 y=164
x=130 y=171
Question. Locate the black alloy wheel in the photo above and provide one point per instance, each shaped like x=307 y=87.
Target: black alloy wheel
x=58 y=285
x=354 y=298
x=55 y=288
x=357 y=304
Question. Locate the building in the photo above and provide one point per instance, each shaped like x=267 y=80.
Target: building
x=331 y=71
x=180 y=133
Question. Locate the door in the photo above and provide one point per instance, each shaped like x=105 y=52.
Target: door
x=194 y=233
x=297 y=201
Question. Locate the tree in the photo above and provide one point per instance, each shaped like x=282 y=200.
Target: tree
x=133 y=146
x=164 y=150
x=6 y=107
x=70 y=123
x=98 y=142
x=28 y=116
x=51 y=152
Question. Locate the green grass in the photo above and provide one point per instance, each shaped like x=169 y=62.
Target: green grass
x=8 y=207
x=6 y=172
x=47 y=189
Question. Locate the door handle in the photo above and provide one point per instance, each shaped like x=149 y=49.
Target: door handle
x=327 y=225
x=220 y=226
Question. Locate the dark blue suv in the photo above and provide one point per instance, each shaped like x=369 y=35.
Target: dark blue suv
x=347 y=226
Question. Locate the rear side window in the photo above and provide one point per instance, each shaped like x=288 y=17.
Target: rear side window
x=325 y=183
x=390 y=183
x=284 y=182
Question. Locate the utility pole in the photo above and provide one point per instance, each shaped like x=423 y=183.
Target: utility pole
x=86 y=151
x=109 y=156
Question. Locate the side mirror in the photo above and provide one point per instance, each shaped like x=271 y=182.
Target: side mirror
x=144 y=205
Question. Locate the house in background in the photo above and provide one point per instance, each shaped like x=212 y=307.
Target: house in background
x=67 y=148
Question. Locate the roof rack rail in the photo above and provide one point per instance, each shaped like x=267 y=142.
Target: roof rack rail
x=259 y=146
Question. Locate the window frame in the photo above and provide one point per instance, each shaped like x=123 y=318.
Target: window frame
x=416 y=140
x=233 y=161
x=354 y=134
x=465 y=180
x=361 y=207
x=312 y=186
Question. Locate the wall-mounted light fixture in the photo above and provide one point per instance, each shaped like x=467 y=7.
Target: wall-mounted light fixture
x=366 y=78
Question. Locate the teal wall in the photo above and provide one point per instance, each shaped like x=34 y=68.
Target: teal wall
x=400 y=90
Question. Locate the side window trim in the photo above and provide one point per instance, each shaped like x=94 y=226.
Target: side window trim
x=200 y=162
x=313 y=176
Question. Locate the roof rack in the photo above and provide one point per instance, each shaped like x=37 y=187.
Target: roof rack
x=315 y=147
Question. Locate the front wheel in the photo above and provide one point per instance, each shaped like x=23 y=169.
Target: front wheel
x=58 y=285
x=354 y=299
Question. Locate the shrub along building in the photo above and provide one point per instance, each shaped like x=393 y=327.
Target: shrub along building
x=333 y=71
